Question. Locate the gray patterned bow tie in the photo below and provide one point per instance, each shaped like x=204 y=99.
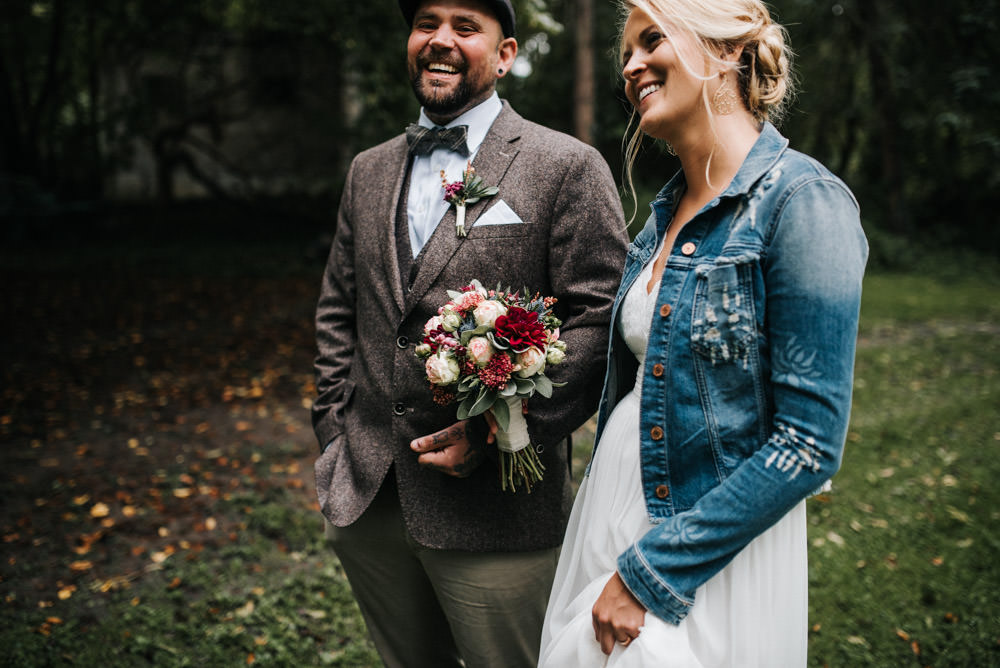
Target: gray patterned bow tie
x=423 y=140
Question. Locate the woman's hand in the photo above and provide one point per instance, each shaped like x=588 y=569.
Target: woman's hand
x=617 y=615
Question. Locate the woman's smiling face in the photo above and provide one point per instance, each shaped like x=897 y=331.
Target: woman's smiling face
x=658 y=74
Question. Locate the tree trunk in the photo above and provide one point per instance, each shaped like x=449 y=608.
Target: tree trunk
x=583 y=82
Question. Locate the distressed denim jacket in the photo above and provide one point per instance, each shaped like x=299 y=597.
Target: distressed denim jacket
x=747 y=382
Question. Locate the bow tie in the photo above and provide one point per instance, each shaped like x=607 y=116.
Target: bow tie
x=423 y=140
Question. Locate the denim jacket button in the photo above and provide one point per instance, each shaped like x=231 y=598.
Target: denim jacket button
x=665 y=310
x=657 y=369
x=656 y=433
x=688 y=248
x=662 y=491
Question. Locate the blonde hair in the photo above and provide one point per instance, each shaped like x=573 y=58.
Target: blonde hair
x=764 y=70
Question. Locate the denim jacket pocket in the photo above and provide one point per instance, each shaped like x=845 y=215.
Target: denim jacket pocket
x=722 y=325
x=727 y=360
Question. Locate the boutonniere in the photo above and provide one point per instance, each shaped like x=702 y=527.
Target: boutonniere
x=469 y=190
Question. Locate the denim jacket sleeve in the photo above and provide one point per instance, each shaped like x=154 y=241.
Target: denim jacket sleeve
x=812 y=268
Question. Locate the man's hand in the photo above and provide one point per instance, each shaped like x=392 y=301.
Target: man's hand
x=450 y=450
x=617 y=615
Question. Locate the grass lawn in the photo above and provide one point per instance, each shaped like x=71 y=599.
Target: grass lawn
x=157 y=485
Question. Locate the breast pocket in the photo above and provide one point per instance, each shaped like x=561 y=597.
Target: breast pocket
x=723 y=329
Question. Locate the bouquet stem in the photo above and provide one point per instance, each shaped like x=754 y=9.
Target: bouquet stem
x=519 y=463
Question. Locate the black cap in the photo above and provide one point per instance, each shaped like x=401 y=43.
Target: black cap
x=502 y=9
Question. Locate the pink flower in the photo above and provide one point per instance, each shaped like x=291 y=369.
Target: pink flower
x=531 y=361
x=488 y=311
x=479 y=350
x=442 y=368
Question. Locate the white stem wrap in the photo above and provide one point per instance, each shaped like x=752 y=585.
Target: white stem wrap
x=460 y=219
x=516 y=436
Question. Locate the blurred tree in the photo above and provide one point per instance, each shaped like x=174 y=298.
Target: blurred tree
x=249 y=98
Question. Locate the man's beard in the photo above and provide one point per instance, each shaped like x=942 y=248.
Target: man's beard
x=437 y=101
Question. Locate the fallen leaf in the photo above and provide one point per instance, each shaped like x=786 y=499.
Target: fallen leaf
x=902 y=634
x=246 y=609
x=100 y=510
x=80 y=566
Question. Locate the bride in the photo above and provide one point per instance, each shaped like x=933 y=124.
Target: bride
x=730 y=365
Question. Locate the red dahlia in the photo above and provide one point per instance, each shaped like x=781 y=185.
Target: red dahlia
x=521 y=329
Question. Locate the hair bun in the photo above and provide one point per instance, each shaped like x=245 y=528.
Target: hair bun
x=767 y=76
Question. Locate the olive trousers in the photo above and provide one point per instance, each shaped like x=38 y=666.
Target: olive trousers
x=428 y=608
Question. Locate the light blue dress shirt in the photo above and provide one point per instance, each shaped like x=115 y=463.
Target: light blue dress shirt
x=425 y=205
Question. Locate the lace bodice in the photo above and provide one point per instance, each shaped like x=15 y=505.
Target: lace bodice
x=636 y=314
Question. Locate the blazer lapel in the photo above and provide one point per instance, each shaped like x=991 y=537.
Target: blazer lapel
x=492 y=162
x=387 y=215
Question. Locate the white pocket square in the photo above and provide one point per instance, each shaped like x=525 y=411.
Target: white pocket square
x=499 y=214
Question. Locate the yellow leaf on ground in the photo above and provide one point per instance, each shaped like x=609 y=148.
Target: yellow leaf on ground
x=100 y=510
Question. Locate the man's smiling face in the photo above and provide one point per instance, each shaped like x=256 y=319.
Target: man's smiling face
x=454 y=52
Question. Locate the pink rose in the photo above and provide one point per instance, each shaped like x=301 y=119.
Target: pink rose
x=479 y=350
x=442 y=368
x=488 y=311
x=432 y=324
x=531 y=361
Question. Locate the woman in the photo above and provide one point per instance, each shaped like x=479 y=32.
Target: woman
x=730 y=367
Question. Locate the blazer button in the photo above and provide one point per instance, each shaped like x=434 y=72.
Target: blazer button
x=402 y=342
x=665 y=310
x=656 y=433
x=662 y=491
x=399 y=409
x=657 y=369
x=688 y=248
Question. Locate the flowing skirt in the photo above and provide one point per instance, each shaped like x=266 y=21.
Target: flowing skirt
x=754 y=613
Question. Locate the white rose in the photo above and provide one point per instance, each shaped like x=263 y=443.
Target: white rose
x=531 y=361
x=422 y=350
x=488 y=312
x=554 y=355
x=432 y=324
x=442 y=368
x=479 y=350
x=450 y=321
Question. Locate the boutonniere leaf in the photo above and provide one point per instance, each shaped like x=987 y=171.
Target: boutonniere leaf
x=469 y=190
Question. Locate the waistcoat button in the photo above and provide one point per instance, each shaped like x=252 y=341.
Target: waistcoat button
x=399 y=409
x=656 y=433
x=662 y=491
x=688 y=248
x=657 y=369
x=665 y=310
x=402 y=341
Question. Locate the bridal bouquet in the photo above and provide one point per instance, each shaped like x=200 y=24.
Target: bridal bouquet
x=487 y=350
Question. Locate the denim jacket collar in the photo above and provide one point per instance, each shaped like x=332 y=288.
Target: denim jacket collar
x=765 y=152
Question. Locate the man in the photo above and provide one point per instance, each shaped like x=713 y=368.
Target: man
x=449 y=570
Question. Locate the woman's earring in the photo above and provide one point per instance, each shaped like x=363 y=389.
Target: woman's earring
x=724 y=101
x=500 y=71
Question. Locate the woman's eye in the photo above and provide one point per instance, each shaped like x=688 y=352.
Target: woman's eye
x=653 y=38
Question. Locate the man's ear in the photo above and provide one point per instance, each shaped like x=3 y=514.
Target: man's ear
x=506 y=53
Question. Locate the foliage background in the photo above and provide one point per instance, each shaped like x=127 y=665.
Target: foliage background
x=168 y=173
x=263 y=104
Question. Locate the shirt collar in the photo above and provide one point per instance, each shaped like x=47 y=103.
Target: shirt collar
x=479 y=119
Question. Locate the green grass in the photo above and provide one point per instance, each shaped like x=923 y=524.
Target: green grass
x=903 y=552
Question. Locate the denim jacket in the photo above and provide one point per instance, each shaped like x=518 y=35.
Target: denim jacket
x=747 y=381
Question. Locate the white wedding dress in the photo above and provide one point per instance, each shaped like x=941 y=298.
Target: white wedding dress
x=753 y=614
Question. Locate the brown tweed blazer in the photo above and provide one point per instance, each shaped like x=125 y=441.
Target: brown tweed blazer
x=373 y=398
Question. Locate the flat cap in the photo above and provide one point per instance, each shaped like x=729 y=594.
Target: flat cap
x=502 y=9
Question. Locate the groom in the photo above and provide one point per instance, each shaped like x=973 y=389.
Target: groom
x=445 y=566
